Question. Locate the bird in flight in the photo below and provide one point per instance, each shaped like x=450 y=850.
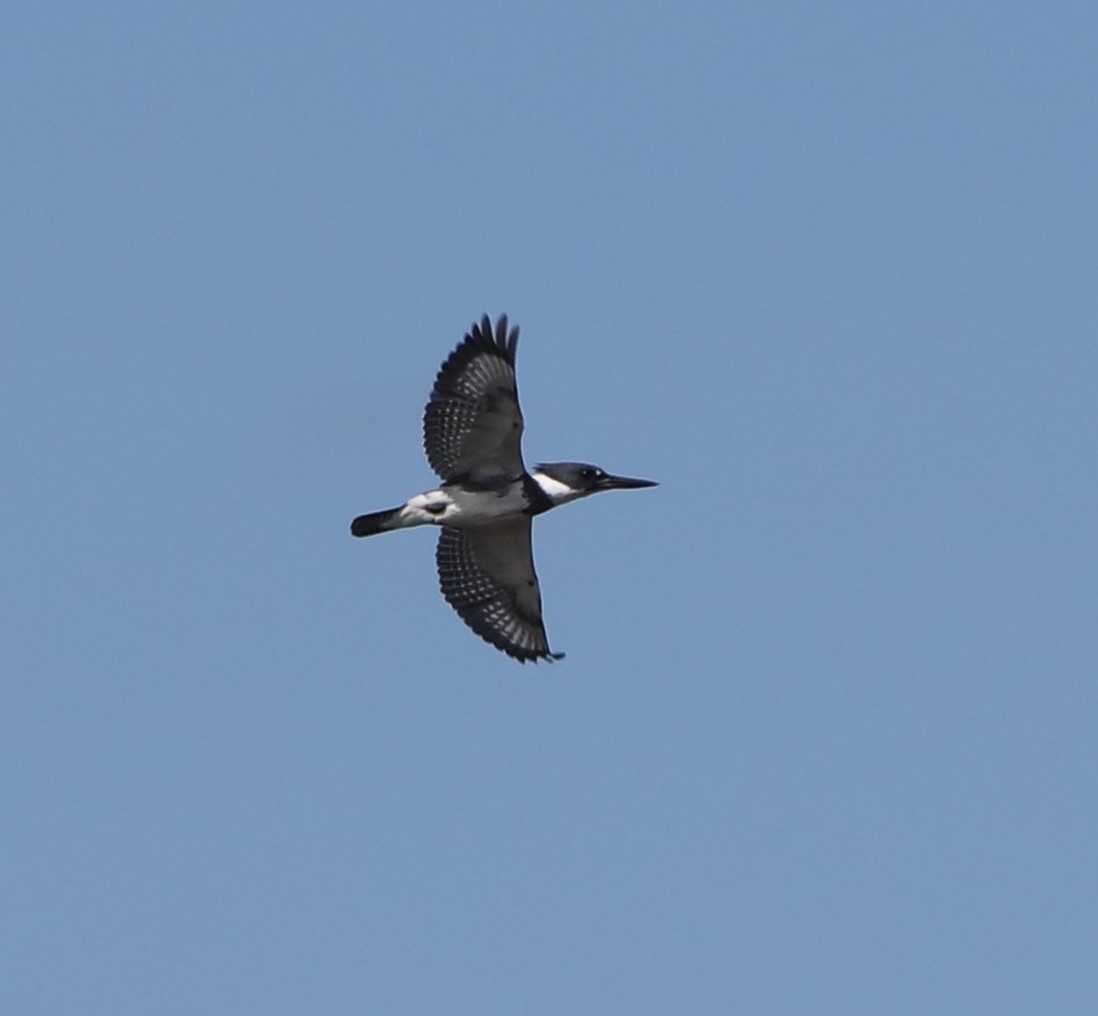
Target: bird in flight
x=485 y=506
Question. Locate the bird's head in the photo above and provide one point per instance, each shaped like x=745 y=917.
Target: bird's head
x=566 y=481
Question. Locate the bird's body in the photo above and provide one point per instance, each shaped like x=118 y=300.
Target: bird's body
x=472 y=433
x=462 y=505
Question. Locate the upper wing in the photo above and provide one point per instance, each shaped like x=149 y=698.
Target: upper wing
x=472 y=427
x=487 y=575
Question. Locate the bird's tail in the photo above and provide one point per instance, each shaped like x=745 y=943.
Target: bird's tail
x=376 y=522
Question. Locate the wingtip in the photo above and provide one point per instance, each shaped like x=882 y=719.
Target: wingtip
x=547 y=657
x=503 y=337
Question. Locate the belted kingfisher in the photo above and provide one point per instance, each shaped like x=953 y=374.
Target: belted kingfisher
x=472 y=434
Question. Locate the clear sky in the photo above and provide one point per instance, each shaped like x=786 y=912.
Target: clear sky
x=825 y=739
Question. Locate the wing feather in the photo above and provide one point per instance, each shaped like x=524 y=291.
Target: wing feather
x=472 y=425
x=487 y=575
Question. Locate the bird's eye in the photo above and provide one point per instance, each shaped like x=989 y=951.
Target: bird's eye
x=589 y=474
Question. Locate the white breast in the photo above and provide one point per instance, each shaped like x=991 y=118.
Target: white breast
x=473 y=507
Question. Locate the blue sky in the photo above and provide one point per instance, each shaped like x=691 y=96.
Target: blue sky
x=825 y=737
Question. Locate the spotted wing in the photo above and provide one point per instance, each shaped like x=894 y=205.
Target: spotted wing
x=472 y=426
x=487 y=575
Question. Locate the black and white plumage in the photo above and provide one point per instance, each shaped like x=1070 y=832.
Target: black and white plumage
x=472 y=435
x=487 y=575
x=472 y=426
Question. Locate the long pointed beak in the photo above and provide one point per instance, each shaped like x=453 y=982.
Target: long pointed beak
x=625 y=483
